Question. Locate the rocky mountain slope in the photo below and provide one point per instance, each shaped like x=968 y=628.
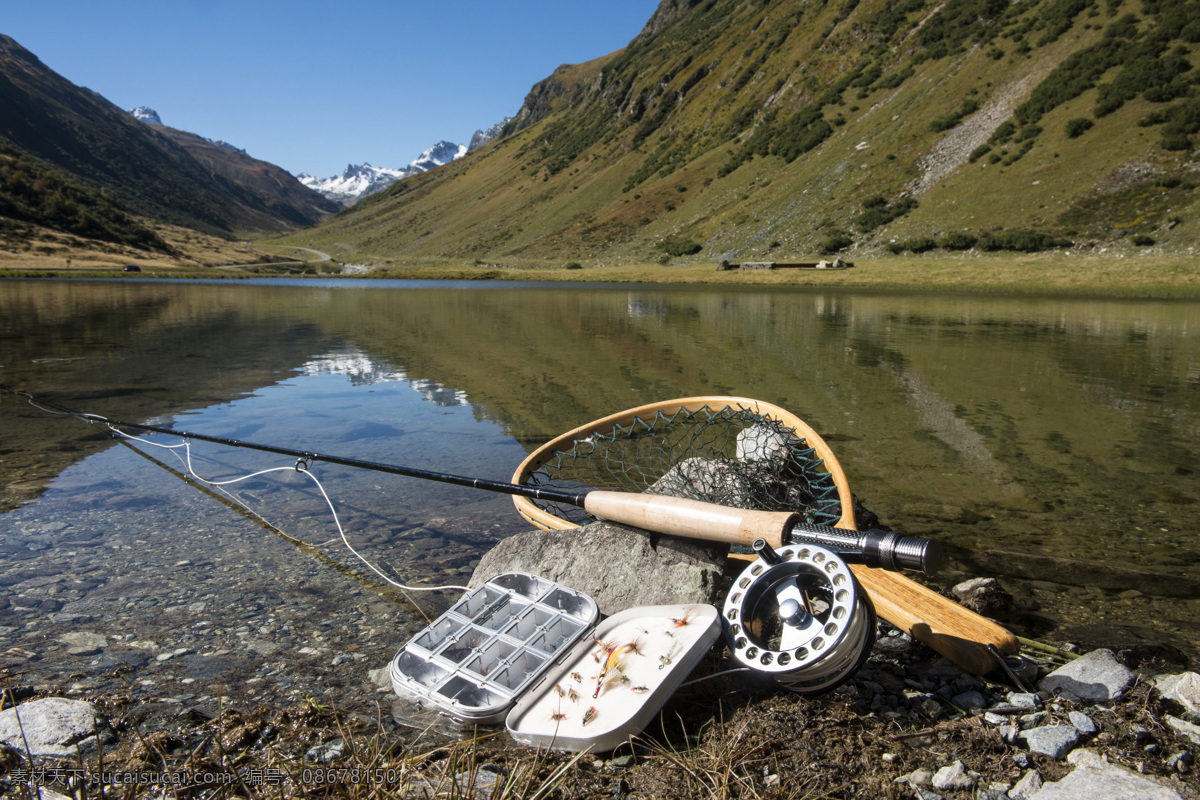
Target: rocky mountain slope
x=751 y=129
x=165 y=175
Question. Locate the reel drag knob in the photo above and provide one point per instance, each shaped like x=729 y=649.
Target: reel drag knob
x=799 y=614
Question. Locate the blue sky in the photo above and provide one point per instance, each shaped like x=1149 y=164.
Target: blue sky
x=314 y=86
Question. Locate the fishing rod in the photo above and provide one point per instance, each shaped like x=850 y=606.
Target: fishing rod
x=659 y=513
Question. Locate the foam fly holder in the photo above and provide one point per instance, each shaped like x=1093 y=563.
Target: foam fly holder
x=611 y=686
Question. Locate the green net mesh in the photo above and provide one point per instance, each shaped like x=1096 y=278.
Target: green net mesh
x=729 y=456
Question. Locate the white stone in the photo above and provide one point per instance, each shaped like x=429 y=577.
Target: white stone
x=1094 y=778
x=51 y=726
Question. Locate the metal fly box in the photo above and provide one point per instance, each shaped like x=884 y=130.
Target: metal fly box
x=475 y=660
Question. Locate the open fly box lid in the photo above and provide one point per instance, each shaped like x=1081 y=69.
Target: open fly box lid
x=473 y=661
x=610 y=687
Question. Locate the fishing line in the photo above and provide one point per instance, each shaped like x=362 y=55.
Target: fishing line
x=302 y=467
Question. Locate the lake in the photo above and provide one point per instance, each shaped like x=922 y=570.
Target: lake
x=1050 y=443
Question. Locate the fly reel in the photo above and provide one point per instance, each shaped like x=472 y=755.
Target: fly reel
x=799 y=614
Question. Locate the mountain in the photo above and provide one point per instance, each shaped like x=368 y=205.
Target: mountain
x=780 y=130
x=360 y=180
x=75 y=132
x=480 y=138
x=146 y=115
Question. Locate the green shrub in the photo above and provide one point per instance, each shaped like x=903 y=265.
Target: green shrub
x=836 y=243
x=1021 y=241
x=922 y=244
x=1142 y=240
x=958 y=240
x=1078 y=126
x=948 y=121
x=879 y=212
x=680 y=247
x=573 y=265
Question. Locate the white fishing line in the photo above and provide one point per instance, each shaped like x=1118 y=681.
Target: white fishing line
x=300 y=467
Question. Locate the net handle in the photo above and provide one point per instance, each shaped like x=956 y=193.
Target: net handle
x=547 y=521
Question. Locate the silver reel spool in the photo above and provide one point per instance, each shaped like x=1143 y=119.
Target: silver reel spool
x=799 y=614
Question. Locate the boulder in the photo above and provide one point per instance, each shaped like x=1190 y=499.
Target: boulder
x=617 y=566
x=1185 y=690
x=1094 y=777
x=1094 y=676
x=985 y=596
x=51 y=726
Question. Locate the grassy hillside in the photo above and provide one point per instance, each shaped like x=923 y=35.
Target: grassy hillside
x=752 y=129
x=32 y=196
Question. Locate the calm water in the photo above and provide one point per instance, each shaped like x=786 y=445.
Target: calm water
x=1051 y=443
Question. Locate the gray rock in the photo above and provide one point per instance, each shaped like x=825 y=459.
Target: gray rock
x=993 y=791
x=920 y=777
x=1180 y=762
x=617 y=566
x=1185 y=690
x=1094 y=676
x=1023 y=700
x=985 y=596
x=381 y=678
x=1083 y=723
x=1051 y=740
x=1094 y=778
x=969 y=701
x=51 y=726
x=1188 y=729
x=953 y=778
x=82 y=643
x=326 y=753
x=1029 y=785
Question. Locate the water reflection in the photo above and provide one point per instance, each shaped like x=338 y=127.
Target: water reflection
x=1050 y=442
x=361 y=370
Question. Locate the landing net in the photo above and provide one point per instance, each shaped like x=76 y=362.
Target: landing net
x=731 y=456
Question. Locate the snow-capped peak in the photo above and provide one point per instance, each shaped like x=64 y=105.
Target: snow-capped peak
x=441 y=153
x=359 y=180
x=147 y=115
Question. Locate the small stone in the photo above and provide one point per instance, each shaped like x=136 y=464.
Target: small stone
x=985 y=596
x=83 y=643
x=1180 y=762
x=993 y=791
x=1186 y=692
x=953 y=778
x=1094 y=676
x=1029 y=785
x=1184 y=727
x=1083 y=723
x=381 y=678
x=52 y=726
x=1023 y=700
x=969 y=701
x=1050 y=740
x=920 y=777
x=889 y=758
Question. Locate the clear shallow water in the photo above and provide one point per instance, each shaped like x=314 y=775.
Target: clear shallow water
x=1048 y=442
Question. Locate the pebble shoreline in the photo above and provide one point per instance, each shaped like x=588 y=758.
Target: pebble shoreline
x=103 y=608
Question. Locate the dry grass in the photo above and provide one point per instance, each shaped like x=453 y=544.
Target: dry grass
x=1145 y=276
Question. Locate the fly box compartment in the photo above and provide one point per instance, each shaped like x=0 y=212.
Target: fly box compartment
x=610 y=687
x=475 y=660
